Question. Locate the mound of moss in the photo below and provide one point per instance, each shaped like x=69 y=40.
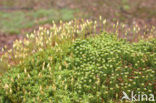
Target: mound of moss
x=94 y=70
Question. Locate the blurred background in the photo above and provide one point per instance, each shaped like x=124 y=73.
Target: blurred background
x=18 y=17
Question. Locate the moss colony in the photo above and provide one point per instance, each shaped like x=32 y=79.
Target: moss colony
x=92 y=70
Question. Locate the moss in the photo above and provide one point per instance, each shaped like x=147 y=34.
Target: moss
x=91 y=70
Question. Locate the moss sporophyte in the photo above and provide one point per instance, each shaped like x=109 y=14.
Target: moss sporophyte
x=69 y=63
